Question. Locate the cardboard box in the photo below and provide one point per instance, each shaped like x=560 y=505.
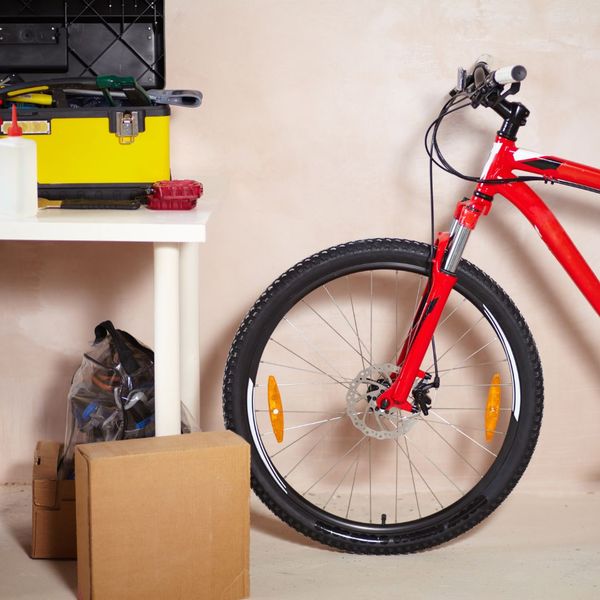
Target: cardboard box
x=163 y=518
x=53 y=514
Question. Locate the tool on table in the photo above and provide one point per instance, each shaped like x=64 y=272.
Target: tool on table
x=173 y=194
x=187 y=98
x=136 y=95
x=86 y=204
x=109 y=86
x=33 y=98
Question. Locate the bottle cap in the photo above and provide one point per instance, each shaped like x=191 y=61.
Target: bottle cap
x=14 y=129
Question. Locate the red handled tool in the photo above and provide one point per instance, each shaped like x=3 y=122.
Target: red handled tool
x=176 y=194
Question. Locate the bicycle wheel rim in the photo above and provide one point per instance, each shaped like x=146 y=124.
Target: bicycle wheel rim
x=268 y=474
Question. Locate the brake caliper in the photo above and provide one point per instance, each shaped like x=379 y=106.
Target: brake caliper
x=420 y=394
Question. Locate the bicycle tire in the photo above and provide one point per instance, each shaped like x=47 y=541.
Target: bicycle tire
x=477 y=294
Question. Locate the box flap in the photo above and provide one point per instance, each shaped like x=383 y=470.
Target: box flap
x=49 y=493
x=45 y=460
x=82 y=527
x=172 y=443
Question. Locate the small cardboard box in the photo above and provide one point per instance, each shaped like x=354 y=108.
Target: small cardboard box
x=53 y=515
x=163 y=518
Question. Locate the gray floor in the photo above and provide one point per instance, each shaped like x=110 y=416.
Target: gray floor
x=534 y=546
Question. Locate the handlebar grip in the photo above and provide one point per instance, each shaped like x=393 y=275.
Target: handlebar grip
x=512 y=74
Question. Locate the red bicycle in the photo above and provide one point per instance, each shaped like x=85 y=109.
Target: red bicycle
x=370 y=433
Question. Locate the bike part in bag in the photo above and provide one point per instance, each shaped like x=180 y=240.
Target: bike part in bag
x=112 y=392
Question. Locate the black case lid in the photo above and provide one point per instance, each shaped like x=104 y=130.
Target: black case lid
x=41 y=39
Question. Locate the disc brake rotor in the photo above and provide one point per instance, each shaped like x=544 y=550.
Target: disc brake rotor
x=362 y=408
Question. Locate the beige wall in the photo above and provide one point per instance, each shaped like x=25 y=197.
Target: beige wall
x=311 y=134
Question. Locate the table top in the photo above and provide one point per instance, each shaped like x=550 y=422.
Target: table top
x=141 y=225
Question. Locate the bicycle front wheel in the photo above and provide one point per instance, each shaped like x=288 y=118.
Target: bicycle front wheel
x=317 y=349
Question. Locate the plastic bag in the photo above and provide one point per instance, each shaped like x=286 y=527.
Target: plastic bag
x=112 y=394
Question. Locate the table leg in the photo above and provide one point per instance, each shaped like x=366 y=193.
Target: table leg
x=189 y=297
x=166 y=338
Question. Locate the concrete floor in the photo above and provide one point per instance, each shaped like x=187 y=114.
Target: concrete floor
x=534 y=546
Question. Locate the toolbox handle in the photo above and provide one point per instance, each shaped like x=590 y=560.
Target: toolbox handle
x=135 y=93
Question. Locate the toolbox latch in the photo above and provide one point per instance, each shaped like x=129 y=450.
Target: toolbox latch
x=127 y=127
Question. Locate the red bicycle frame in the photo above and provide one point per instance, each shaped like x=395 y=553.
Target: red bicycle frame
x=504 y=161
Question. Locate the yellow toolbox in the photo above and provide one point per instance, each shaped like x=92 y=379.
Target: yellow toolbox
x=97 y=135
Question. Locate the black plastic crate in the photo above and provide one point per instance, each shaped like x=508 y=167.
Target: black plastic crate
x=40 y=39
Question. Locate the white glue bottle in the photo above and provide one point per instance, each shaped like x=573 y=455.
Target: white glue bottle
x=18 y=173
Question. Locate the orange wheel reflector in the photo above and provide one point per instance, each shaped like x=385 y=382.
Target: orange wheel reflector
x=492 y=408
x=275 y=409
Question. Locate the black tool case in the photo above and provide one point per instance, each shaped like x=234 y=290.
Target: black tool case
x=93 y=148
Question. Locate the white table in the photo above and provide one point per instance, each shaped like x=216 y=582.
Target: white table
x=175 y=236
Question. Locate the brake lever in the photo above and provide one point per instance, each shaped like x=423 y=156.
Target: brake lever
x=490 y=97
x=463 y=81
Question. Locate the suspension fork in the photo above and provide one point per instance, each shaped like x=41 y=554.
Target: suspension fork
x=448 y=250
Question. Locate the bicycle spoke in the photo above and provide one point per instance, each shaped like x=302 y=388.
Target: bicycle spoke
x=301 y=383
x=355 y=322
x=332 y=327
x=412 y=465
x=370 y=487
x=412 y=443
x=465 y=334
x=305 y=425
x=396 y=497
x=475 y=366
x=459 y=430
x=304 y=457
x=309 y=363
x=354 y=330
x=452 y=447
x=272 y=364
x=475 y=385
x=353 y=483
x=371 y=321
x=312 y=346
x=479 y=408
x=451 y=313
x=478 y=351
x=340 y=483
x=396 y=311
x=461 y=427
x=334 y=465
x=297 y=439
x=327 y=412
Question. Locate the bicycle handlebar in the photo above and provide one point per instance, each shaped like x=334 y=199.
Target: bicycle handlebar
x=485 y=87
x=512 y=74
x=480 y=78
